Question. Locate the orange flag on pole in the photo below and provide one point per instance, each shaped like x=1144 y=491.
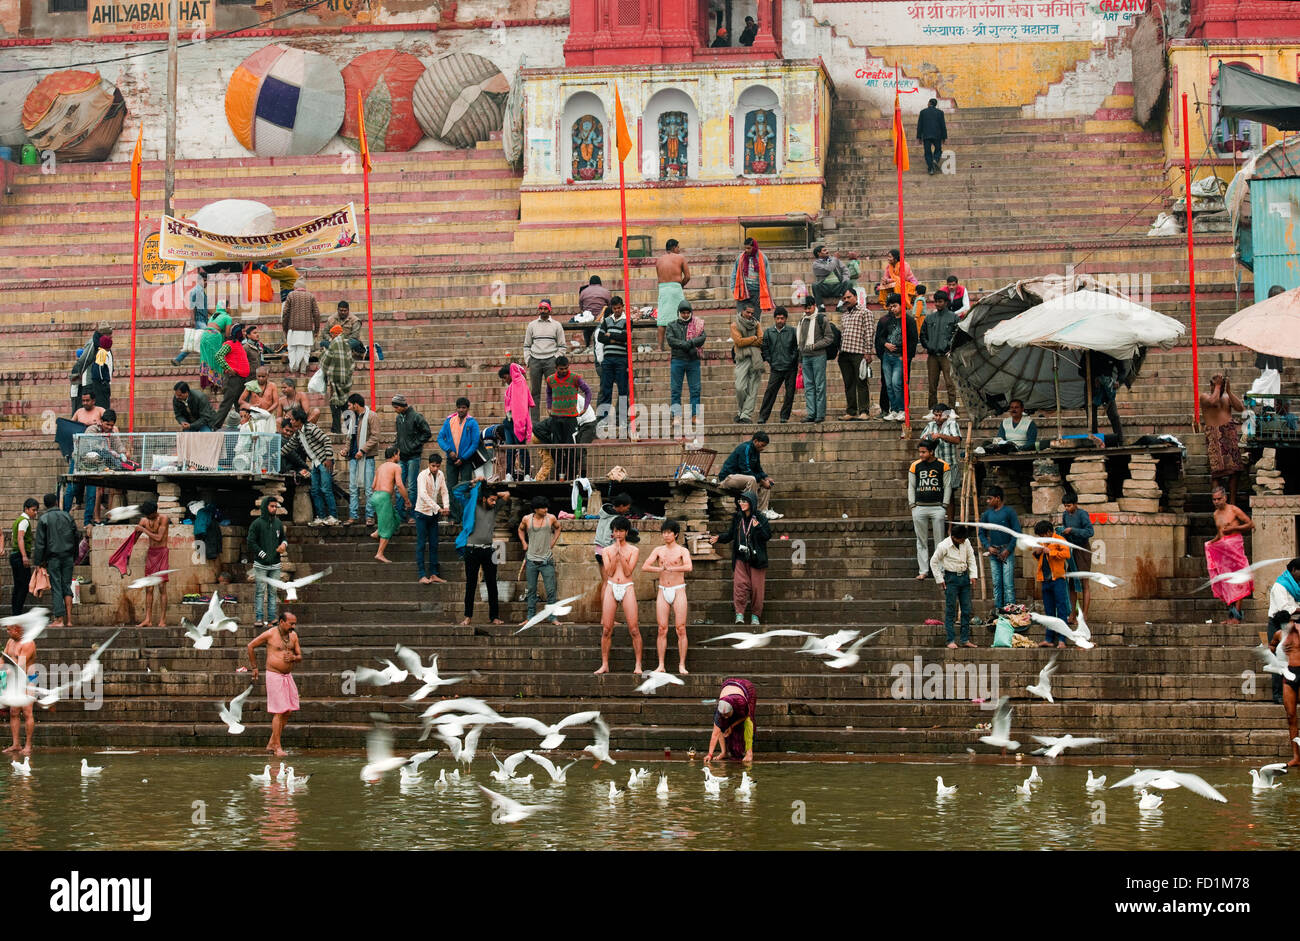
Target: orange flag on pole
x=623 y=137
x=361 y=135
x=135 y=164
x=900 y=136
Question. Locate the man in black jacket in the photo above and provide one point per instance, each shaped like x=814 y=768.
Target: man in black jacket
x=612 y=335
x=936 y=336
x=55 y=548
x=411 y=433
x=889 y=350
x=192 y=410
x=748 y=536
x=932 y=132
x=781 y=352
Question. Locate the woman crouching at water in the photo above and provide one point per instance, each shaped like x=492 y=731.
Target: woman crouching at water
x=733 y=723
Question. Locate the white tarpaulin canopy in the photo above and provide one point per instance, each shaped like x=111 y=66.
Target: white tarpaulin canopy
x=1088 y=320
x=235 y=217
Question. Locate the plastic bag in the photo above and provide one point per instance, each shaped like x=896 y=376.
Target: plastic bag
x=864 y=370
x=317 y=382
x=1002 y=631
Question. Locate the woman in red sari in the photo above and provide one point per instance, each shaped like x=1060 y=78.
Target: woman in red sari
x=733 y=723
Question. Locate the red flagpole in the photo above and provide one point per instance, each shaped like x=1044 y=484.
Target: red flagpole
x=900 y=141
x=627 y=306
x=135 y=292
x=1191 y=268
x=370 y=297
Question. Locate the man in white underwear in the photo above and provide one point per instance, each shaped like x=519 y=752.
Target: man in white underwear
x=672 y=561
x=619 y=565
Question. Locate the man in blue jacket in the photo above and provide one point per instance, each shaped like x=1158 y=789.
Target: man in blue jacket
x=459 y=439
x=743 y=472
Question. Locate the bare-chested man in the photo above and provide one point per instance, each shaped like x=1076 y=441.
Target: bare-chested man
x=387 y=478
x=672 y=561
x=1226 y=552
x=24 y=655
x=1287 y=635
x=291 y=398
x=268 y=398
x=156 y=560
x=1222 y=440
x=673 y=276
x=619 y=564
x=282 y=652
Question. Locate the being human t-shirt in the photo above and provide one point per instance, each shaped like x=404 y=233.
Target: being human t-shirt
x=929 y=481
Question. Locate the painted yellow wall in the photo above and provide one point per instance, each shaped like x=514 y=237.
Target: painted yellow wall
x=989 y=75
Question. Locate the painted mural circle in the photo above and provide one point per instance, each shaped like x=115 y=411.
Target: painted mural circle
x=461 y=99
x=284 y=102
x=385 y=79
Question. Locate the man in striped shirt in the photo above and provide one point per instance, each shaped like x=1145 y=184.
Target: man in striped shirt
x=567 y=396
x=311 y=446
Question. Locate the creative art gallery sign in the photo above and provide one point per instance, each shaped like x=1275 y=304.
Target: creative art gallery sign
x=113 y=17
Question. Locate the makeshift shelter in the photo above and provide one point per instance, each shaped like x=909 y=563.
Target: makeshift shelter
x=1040 y=371
x=385 y=79
x=1271 y=327
x=461 y=99
x=13 y=95
x=1250 y=96
x=285 y=102
x=76 y=114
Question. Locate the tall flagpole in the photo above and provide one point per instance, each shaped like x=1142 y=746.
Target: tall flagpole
x=1191 y=270
x=370 y=297
x=900 y=151
x=135 y=274
x=623 y=144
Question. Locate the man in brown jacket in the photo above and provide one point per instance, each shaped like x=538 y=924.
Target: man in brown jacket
x=362 y=427
x=351 y=330
x=747 y=352
x=300 y=320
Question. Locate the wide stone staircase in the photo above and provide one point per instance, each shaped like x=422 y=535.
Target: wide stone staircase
x=1024 y=202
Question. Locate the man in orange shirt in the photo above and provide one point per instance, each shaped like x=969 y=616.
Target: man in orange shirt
x=1049 y=562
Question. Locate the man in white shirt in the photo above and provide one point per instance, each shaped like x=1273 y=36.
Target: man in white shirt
x=543 y=341
x=954 y=567
x=431 y=501
x=1018 y=428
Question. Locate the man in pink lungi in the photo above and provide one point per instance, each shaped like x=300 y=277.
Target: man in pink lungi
x=1226 y=553
x=282 y=652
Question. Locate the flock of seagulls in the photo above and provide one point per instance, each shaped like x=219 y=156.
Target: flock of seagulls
x=1262 y=779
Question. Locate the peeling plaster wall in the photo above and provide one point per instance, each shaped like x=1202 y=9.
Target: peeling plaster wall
x=202 y=129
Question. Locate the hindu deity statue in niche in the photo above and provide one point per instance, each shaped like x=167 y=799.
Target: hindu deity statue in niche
x=760 y=142
x=673 y=159
x=588 y=148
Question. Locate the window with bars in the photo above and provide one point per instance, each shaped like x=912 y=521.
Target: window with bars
x=67 y=6
x=629 y=13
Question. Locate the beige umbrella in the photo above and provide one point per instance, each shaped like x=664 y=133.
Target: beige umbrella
x=1272 y=326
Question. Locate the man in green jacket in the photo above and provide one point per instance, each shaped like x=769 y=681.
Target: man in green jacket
x=55 y=548
x=265 y=545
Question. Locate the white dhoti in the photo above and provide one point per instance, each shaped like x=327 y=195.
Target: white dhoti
x=299 y=342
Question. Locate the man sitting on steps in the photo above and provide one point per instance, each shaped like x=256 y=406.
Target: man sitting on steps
x=743 y=472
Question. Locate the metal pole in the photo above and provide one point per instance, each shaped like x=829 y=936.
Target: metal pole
x=1056 y=384
x=1191 y=270
x=169 y=173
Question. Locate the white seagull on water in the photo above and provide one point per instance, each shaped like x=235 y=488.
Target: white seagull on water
x=510 y=811
x=1094 y=783
x=944 y=790
x=558 y=775
x=1265 y=778
x=506 y=769
x=87 y=771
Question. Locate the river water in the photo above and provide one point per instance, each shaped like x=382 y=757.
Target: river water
x=202 y=801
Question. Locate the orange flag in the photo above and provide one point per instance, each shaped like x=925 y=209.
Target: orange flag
x=135 y=164
x=623 y=137
x=900 y=136
x=361 y=134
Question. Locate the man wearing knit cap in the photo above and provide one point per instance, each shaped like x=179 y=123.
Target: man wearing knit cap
x=543 y=341
x=410 y=433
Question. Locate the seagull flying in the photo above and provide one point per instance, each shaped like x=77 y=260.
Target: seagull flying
x=152 y=581
x=1000 y=732
x=558 y=775
x=599 y=749
x=233 y=713
x=214 y=619
x=201 y=641
x=120 y=513
x=510 y=811
x=829 y=645
x=1240 y=576
x=463 y=753
x=551 y=734
x=1264 y=778
x=559 y=609
x=747 y=641
x=411 y=661
x=1043 y=688
x=655 y=680
x=87 y=771
x=1275 y=662
x=1065 y=630
x=1167 y=780
x=290 y=589
x=379 y=750
x=1026 y=542
x=506 y=769
x=389 y=674
x=850 y=657
x=1057 y=745
x=33 y=623
x=1101 y=578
